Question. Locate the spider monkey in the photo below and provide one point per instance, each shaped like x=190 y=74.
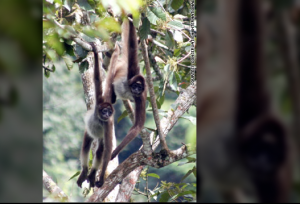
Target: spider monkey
x=99 y=125
x=262 y=137
x=128 y=83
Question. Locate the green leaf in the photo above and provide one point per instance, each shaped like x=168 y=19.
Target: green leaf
x=91 y=3
x=46 y=73
x=80 y=51
x=76 y=174
x=162 y=99
x=158 y=12
x=158 y=104
x=160 y=44
x=164 y=197
x=151 y=16
x=153 y=175
x=109 y=24
x=176 y=52
x=69 y=49
x=151 y=129
x=84 y=65
x=123 y=115
x=68 y=61
x=176 y=4
x=187 y=174
x=183 y=193
x=91 y=158
x=173 y=81
x=53 y=68
x=190 y=118
x=176 y=24
x=145 y=29
x=169 y=40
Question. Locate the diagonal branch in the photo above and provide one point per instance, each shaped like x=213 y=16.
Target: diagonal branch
x=183 y=102
x=53 y=188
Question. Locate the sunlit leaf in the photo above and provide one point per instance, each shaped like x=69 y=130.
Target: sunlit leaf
x=153 y=175
x=123 y=115
x=178 y=36
x=76 y=174
x=160 y=44
x=176 y=24
x=109 y=24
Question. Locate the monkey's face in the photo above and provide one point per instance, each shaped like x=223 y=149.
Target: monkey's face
x=263 y=154
x=137 y=88
x=105 y=113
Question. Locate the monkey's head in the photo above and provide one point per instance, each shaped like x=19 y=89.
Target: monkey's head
x=137 y=85
x=263 y=146
x=105 y=111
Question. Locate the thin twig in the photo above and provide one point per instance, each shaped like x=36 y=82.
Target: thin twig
x=152 y=96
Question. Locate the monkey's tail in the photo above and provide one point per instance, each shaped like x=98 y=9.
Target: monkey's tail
x=108 y=92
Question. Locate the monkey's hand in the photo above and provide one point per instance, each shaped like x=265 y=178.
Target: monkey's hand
x=91 y=177
x=100 y=183
x=113 y=155
x=82 y=176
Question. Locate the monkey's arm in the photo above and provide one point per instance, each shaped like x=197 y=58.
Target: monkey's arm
x=97 y=77
x=140 y=118
x=84 y=155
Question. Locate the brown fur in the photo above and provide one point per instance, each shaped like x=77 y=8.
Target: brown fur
x=128 y=66
x=104 y=150
x=260 y=132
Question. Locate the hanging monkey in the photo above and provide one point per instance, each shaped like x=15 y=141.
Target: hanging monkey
x=128 y=83
x=99 y=125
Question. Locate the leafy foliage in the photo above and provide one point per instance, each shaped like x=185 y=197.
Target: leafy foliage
x=164 y=26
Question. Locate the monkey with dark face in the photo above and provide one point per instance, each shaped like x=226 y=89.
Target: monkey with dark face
x=263 y=141
x=99 y=125
x=128 y=83
x=264 y=148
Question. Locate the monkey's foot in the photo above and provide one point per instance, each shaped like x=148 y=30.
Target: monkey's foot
x=82 y=177
x=100 y=183
x=91 y=178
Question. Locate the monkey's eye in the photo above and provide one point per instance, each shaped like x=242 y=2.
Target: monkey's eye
x=104 y=110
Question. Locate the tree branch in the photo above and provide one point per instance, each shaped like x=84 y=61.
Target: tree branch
x=138 y=159
x=157 y=160
x=152 y=96
x=53 y=188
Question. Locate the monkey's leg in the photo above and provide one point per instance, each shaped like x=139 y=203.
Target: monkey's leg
x=84 y=155
x=96 y=163
x=106 y=159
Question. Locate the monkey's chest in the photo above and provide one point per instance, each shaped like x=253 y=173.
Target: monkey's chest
x=122 y=89
x=94 y=127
